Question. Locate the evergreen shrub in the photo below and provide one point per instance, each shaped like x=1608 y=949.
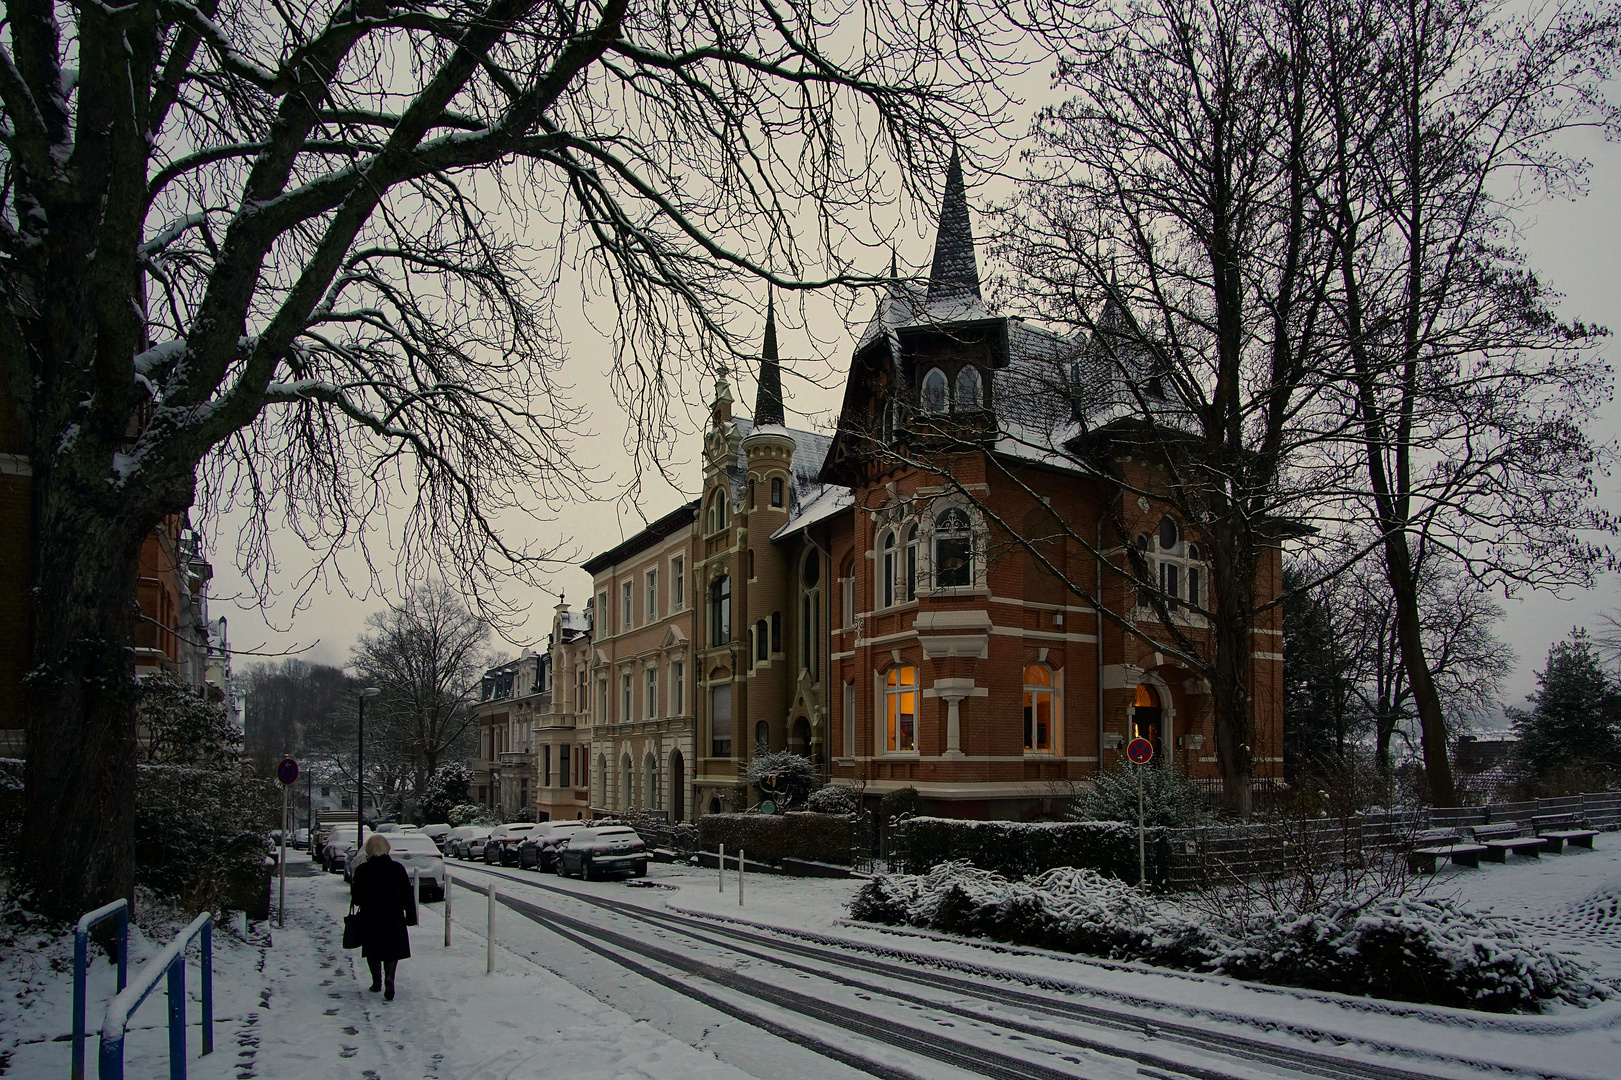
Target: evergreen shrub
x=834 y=799
x=774 y=837
x=202 y=836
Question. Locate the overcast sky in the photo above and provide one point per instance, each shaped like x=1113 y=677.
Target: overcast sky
x=1575 y=245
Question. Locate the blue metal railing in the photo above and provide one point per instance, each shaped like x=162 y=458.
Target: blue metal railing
x=81 y=960
x=171 y=962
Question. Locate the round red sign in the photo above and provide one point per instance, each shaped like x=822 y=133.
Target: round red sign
x=1140 y=751
x=287 y=771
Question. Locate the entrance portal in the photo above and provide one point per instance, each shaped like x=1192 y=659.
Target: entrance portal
x=1147 y=719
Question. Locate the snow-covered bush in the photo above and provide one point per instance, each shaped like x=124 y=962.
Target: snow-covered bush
x=834 y=799
x=1433 y=951
x=202 y=834
x=445 y=789
x=469 y=814
x=1024 y=849
x=1169 y=799
x=784 y=776
x=900 y=802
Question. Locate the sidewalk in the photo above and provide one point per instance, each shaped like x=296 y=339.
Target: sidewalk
x=297 y=1007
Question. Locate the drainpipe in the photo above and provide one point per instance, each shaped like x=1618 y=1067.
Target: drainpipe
x=1097 y=625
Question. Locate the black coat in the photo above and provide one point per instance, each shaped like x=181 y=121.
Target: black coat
x=382 y=891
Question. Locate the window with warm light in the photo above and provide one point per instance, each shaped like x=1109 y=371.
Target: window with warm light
x=900 y=709
x=1039 y=709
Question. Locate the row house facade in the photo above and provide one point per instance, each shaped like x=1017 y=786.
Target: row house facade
x=512 y=698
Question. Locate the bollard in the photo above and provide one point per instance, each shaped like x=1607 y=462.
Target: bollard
x=739 y=877
x=447 y=909
x=489 y=936
x=720 y=881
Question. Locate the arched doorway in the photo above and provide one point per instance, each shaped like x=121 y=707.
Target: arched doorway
x=678 y=787
x=1148 y=719
x=799 y=740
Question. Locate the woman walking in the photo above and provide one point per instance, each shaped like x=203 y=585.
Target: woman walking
x=382 y=891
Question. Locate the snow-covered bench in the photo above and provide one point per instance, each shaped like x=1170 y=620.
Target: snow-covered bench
x=1558 y=830
x=1507 y=839
x=1439 y=844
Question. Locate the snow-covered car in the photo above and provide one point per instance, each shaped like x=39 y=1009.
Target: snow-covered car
x=616 y=849
x=416 y=853
x=504 y=840
x=439 y=834
x=335 y=845
x=301 y=838
x=456 y=842
x=471 y=846
x=539 y=848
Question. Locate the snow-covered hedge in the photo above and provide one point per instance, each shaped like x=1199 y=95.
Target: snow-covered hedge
x=1434 y=951
x=834 y=799
x=1024 y=849
x=774 y=837
x=202 y=834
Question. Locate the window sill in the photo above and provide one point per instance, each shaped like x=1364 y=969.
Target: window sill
x=901 y=755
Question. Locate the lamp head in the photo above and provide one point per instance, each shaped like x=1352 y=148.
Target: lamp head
x=370 y=691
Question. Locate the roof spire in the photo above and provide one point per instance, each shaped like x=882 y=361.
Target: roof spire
x=955 y=274
x=768 y=398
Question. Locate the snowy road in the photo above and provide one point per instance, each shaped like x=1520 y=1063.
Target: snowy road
x=883 y=1015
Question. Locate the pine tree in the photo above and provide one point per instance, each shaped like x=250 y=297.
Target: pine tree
x=1575 y=719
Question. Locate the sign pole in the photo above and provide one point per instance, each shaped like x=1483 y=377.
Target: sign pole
x=281 y=905
x=1142 y=846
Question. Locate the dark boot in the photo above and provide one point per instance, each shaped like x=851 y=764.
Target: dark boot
x=388 y=986
x=376 y=974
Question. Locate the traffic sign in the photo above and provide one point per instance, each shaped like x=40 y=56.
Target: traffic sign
x=287 y=771
x=1140 y=751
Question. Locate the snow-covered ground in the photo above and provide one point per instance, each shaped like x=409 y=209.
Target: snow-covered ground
x=291 y=1003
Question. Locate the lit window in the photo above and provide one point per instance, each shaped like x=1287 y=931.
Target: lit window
x=932 y=399
x=1038 y=709
x=900 y=709
x=970 y=393
x=953 y=550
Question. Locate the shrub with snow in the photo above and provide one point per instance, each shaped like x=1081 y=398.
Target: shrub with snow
x=834 y=799
x=784 y=776
x=1432 y=951
x=1019 y=849
x=1169 y=799
x=201 y=835
x=469 y=814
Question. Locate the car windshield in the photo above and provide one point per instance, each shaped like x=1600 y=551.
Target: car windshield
x=618 y=834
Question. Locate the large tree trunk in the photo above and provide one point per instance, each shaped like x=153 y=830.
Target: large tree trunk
x=1233 y=611
x=1431 y=720
x=77 y=845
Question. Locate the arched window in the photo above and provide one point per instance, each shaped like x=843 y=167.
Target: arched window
x=716 y=515
x=900 y=709
x=650 y=778
x=886 y=598
x=720 y=611
x=932 y=399
x=628 y=792
x=953 y=550
x=970 y=389
x=911 y=563
x=1174 y=566
x=762 y=641
x=751 y=564
x=776 y=491
x=1039 y=710
x=762 y=738
x=886 y=430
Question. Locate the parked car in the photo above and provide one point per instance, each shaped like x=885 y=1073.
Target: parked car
x=615 y=849
x=415 y=852
x=301 y=838
x=456 y=841
x=338 y=841
x=471 y=847
x=502 y=850
x=439 y=834
x=539 y=848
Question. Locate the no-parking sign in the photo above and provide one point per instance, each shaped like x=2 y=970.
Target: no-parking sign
x=1140 y=751
x=287 y=771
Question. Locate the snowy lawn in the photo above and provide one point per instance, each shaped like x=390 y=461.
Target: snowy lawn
x=290 y=1003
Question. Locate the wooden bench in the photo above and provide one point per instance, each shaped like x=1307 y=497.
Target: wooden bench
x=1444 y=844
x=1507 y=839
x=1557 y=830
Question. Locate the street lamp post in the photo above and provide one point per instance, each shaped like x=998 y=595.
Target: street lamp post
x=360 y=771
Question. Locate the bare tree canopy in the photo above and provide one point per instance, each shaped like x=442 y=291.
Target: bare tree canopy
x=301 y=260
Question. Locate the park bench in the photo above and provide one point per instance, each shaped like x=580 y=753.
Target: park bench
x=1561 y=829
x=1443 y=844
x=1507 y=839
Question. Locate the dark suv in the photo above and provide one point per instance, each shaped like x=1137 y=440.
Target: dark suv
x=538 y=850
x=502 y=849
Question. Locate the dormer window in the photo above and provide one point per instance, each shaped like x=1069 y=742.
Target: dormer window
x=716 y=515
x=932 y=398
x=970 y=390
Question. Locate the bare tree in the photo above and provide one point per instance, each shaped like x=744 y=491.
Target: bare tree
x=1467 y=394
x=1171 y=219
x=427 y=655
x=299 y=260
x=286 y=702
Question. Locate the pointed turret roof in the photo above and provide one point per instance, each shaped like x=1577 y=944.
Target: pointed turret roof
x=768 y=398
x=955 y=273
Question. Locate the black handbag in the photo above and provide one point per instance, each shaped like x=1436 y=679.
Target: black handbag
x=351 y=929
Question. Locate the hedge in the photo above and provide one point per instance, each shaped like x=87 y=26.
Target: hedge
x=1025 y=849
x=774 y=837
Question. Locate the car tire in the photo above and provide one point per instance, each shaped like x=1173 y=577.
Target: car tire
x=588 y=870
x=641 y=870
